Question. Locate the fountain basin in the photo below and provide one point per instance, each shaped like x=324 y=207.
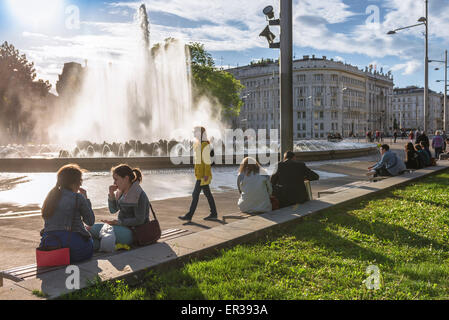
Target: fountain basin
x=149 y=163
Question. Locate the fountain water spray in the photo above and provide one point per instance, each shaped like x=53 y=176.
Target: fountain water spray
x=144 y=94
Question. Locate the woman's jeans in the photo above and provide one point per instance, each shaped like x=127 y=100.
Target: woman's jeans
x=196 y=196
x=123 y=235
x=438 y=151
x=81 y=248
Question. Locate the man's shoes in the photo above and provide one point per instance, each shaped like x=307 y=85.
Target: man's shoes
x=185 y=217
x=211 y=217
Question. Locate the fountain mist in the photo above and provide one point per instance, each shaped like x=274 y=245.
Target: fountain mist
x=143 y=95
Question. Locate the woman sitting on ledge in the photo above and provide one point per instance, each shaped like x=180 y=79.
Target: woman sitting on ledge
x=65 y=209
x=254 y=186
x=127 y=197
x=412 y=158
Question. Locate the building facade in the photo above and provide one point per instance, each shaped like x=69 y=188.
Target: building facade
x=408 y=109
x=328 y=96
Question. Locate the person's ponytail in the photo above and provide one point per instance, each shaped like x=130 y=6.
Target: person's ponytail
x=52 y=199
x=137 y=175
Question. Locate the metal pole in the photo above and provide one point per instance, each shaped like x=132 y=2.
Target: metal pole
x=426 y=72
x=286 y=67
x=445 y=94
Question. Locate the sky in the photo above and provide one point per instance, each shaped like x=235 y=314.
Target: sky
x=53 y=32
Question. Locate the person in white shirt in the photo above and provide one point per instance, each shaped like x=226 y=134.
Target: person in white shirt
x=254 y=187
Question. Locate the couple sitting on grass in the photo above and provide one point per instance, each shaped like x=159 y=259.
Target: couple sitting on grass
x=67 y=208
x=286 y=185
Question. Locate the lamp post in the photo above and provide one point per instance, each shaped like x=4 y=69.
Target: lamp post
x=445 y=89
x=286 y=67
x=424 y=21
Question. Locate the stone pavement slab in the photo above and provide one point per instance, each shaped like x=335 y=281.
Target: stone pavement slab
x=54 y=283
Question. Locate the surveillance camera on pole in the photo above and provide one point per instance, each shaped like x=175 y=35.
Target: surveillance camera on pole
x=286 y=67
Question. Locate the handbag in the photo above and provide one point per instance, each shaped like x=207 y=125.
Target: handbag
x=47 y=256
x=274 y=203
x=147 y=233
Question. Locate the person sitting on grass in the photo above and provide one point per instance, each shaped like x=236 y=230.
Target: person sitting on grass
x=389 y=164
x=254 y=187
x=126 y=197
x=412 y=160
x=65 y=210
x=288 y=180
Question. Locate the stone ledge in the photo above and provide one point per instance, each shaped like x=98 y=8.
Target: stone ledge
x=200 y=244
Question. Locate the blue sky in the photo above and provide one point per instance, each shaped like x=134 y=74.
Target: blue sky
x=353 y=31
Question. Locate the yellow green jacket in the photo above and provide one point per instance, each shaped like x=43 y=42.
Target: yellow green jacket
x=202 y=162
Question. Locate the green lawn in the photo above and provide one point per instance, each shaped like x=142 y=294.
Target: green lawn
x=404 y=232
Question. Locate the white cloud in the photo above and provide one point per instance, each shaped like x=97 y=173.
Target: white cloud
x=408 y=68
x=313 y=27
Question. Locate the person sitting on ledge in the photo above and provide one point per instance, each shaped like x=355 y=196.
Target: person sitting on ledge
x=254 y=187
x=412 y=160
x=126 y=197
x=426 y=149
x=424 y=156
x=288 y=180
x=389 y=164
x=65 y=209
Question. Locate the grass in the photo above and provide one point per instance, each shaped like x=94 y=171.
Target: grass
x=404 y=232
x=40 y=294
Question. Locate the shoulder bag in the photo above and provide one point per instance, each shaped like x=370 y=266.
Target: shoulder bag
x=147 y=233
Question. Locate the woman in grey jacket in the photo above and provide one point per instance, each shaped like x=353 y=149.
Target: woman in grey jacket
x=65 y=210
x=126 y=197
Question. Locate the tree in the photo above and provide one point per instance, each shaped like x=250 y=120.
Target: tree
x=18 y=92
x=215 y=83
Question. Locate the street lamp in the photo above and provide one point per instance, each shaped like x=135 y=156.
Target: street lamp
x=424 y=21
x=445 y=89
x=286 y=66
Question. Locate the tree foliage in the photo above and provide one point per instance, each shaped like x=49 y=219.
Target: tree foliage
x=213 y=82
x=18 y=91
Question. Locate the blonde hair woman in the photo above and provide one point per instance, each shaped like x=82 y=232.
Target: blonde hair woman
x=254 y=187
x=203 y=175
x=437 y=144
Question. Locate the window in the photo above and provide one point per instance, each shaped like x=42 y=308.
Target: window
x=318 y=77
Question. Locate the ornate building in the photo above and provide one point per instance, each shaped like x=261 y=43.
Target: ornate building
x=408 y=109
x=329 y=97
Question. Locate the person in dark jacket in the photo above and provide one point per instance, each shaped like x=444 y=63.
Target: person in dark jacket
x=424 y=139
x=288 y=180
x=412 y=160
x=426 y=149
x=423 y=156
x=65 y=211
